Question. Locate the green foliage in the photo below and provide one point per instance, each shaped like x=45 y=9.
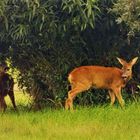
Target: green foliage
x=128 y=12
x=81 y=13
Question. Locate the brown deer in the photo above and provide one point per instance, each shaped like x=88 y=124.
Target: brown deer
x=111 y=78
x=6 y=88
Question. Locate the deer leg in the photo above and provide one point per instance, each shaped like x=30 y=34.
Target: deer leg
x=112 y=96
x=119 y=96
x=67 y=102
x=12 y=97
x=71 y=95
x=3 y=105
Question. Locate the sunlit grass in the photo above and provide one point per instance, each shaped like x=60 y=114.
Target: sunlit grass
x=85 y=123
x=93 y=123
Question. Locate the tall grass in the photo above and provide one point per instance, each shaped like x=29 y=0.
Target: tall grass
x=86 y=123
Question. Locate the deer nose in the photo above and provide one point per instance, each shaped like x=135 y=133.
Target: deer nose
x=124 y=76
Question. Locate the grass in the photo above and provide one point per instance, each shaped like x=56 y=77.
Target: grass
x=85 y=123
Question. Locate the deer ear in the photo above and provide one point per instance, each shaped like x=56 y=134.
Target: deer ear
x=123 y=62
x=133 y=61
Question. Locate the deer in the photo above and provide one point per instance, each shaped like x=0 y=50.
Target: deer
x=6 y=88
x=100 y=77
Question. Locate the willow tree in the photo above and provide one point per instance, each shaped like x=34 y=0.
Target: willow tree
x=41 y=38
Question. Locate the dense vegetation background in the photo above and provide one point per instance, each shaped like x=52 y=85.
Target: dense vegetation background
x=45 y=39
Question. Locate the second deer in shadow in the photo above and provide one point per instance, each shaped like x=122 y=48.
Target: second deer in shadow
x=6 y=88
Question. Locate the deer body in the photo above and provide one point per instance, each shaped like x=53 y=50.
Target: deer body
x=111 y=78
x=97 y=77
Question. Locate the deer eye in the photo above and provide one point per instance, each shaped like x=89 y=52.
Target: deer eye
x=128 y=69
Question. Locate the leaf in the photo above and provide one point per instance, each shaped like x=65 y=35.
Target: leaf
x=6 y=23
x=37 y=3
x=119 y=20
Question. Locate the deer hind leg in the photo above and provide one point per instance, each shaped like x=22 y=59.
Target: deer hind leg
x=69 y=101
x=12 y=97
x=71 y=95
x=119 y=96
x=3 y=105
x=112 y=96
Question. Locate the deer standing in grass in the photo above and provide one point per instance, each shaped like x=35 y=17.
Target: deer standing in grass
x=111 y=78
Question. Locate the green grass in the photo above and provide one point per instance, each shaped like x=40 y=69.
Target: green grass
x=93 y=123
